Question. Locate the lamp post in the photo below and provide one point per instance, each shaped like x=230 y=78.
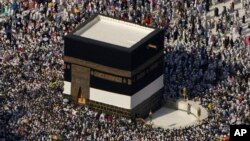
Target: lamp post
x=150 y=116
x=199 y=114
x=184 y=93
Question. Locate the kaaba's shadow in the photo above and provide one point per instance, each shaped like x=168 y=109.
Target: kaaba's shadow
x=197 y=70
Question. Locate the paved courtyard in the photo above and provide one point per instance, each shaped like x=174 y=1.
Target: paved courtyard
x=169 y=118
x=246 y=31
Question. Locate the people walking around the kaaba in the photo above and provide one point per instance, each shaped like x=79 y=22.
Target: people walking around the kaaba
x=214 y=68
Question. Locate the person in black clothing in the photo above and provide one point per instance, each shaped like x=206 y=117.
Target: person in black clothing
x=231 y=42
x=207 y=5
x=224 y=11
x=226 y=42
x=56 y=7
x=216 y=12
x=8 y=28
x=167 y=35
x=175 y=36
x=243 y=19
x=189 y=108
x=232 y=7
x=41 y=1
x=240 y=30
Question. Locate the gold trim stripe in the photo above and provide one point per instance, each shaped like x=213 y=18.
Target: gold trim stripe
x=108 y=77
x=97 y=66
x=111 y=70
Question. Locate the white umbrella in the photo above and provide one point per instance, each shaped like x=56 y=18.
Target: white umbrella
x=65 y=100
x=45 y=39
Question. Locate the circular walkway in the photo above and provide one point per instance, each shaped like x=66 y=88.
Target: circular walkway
x=174 y=114
x=170 y=118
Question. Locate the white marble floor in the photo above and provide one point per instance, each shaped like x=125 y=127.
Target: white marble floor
x=170 y=118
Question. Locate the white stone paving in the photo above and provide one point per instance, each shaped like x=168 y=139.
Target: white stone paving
x=237 y=6
x=169 y=118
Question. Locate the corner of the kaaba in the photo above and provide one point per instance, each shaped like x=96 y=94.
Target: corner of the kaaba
x=110 y=54
x=142 y=50
x=96 y=51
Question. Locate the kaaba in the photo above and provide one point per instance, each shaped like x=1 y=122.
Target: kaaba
x=114 y=66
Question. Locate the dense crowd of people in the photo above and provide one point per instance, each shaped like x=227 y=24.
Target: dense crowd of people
x=213 y=66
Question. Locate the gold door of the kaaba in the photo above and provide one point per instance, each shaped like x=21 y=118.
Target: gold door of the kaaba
x=80 y=84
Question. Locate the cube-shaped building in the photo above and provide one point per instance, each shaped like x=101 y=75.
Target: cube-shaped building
x=115 y=66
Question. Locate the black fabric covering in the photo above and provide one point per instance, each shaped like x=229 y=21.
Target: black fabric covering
x=126 y=89
x=117 y=57
x=140 y=52
x=67 y=74
x=96 y=52
x=113 y=55
x=121 y=88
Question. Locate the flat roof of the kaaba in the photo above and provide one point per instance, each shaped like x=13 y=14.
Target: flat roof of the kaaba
x=113 y=31
x=114 y=43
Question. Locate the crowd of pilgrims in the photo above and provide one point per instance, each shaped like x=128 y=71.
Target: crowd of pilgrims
x=213 y=66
